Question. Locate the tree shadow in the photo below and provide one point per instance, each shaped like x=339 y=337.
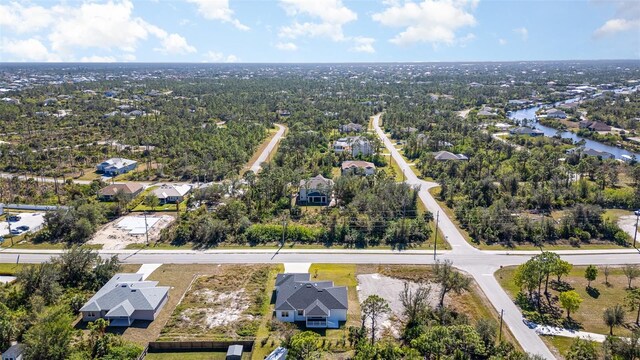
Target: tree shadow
x=571 y=324
x=593 y=292
x=560 y=286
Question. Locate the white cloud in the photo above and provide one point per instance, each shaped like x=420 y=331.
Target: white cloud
x=523 y=32
x=175 y=44
x=363 y=44
x=70 y=27
x=96 y=58
x=27 y=50
x=332 y=15
x=626 y=18
x=23 y=19
x=430 y=21
x=289 y=46
x=614 y=26
x=218 y=10
x=502 y=41
x=213 y=56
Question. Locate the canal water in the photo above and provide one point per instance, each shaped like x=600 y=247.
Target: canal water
x=530 y=114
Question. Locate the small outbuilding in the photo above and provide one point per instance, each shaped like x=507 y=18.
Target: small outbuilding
x=234 y=352
x=13 y=353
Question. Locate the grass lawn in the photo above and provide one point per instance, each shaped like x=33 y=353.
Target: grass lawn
x=28 y=245
x=218 y=355
x=589 y=315
x=10 y=269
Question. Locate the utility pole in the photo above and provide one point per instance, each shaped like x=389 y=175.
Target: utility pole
x=435 y=241
x=146 y=227
x=284 y=229
x=500 y=333
x=635 y=234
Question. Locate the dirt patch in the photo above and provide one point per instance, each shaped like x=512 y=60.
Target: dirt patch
x=390 y=289
x=227 y=305
x=628 y=224
x=114 y=237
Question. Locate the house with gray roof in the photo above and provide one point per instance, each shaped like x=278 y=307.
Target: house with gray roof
x=125 y=298
x=351 y=128
x=14 y=352
x=526 y=131
x=319 y=304
x=446 y=156
x=116 y=166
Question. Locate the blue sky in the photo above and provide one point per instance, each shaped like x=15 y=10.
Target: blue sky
x=318 y=30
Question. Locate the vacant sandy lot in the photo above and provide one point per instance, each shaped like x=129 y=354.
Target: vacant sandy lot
x=390 y=289
x=113 y=236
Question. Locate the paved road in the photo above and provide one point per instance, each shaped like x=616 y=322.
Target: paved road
x=481 y=265
x=481 y=273
x=257 y=165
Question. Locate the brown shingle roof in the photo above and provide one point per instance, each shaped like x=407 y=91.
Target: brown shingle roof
x=127 y=188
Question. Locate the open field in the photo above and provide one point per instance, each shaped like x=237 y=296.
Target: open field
x=595 y=300
x=229 y=304
x=118 y=234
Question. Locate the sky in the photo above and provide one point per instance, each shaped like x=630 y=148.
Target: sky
x=317 y=30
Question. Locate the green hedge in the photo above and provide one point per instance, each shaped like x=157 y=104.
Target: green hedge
x=268 y=233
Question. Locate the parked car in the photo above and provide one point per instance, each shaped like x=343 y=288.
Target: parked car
x=23 y=228
x=13 y=218
x=15 y=232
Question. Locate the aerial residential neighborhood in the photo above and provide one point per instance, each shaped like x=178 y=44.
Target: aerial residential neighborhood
x=315 y=180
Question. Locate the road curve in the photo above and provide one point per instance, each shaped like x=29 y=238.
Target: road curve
x=483 y=274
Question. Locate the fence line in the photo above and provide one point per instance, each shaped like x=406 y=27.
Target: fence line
x=193 y=346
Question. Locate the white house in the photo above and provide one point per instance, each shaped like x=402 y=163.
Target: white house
x=124 y=299
x=354 y=145
x=116 y=166
x=316 y=190
x=358 y=167
x=171 y=194
x=446 y=156
x=318 y=304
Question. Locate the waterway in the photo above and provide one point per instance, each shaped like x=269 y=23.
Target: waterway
x=530 y=115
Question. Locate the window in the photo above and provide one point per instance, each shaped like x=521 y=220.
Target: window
x=300 y=312
x=284 y=314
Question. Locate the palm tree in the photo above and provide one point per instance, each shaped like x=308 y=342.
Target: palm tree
x=613 y=316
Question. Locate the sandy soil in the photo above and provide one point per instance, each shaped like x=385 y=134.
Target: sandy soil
x=389 y=289
x=113 y=238
x=628 y=224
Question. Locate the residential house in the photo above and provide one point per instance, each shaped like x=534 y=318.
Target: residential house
x=446 y=156
x=523 y=130
x=591 y=152
x=319 y=304
x=594 y=125
x=14 y=352
x=116 y=166
x=316 y=190
x=358 y=167
x=354 y=145
x=487 y=111
x=125 y=298
x=130 y=189
x=171 y=194
x=351 y=128
x=556 y=114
